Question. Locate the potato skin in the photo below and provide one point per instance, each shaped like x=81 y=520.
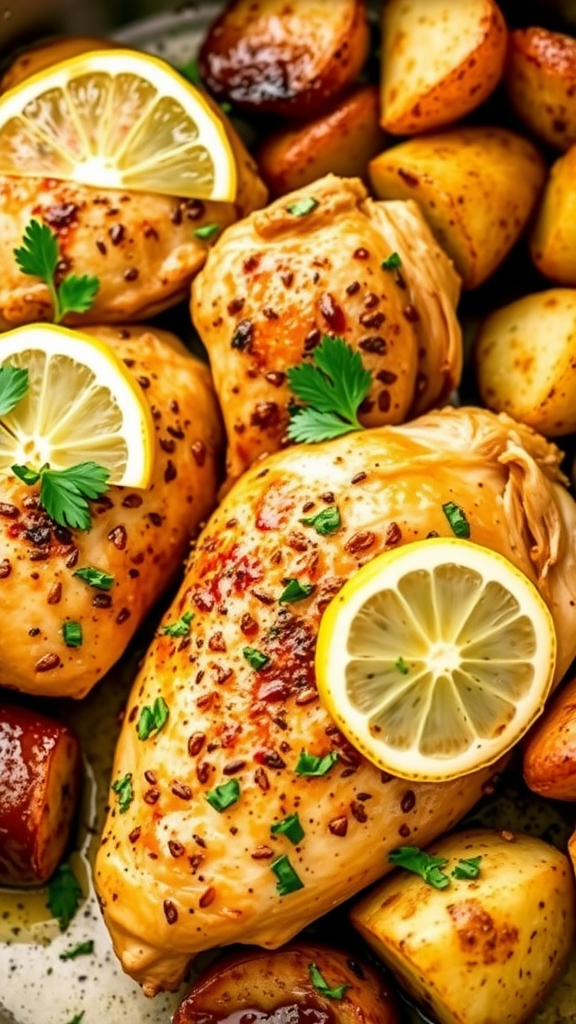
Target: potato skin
x=525 y=357
x=465 y=47
x=269 y=982
x=553 y=240
x=342 y=141
x=498 y=941
x=540 y=80
x=476 y=187
x=550 y=752
x=292 y=59
x=40 y=779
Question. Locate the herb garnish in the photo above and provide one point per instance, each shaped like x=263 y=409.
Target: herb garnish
x=95 y=577
x=309 y=764
x=288 y=880
x=64 y=895
x=224 y=795
x=152 y=718
x=13 y=387
x=302 y=206
x=318 y=981
x=191 y=71
x=325 y=522
x=333 y=389
x=294 y=590
x=412 y=858
x=256 y=659
x=401 y=666
x=179 y=628
x=207 y=231
x=64 y=493
x=76 y=1019
x=125 y=791
x=82 y=949
x=72 y=634
x=467 y=868
x=289 y=827
x=392 y=262
x=456 y=516
x=39 y=256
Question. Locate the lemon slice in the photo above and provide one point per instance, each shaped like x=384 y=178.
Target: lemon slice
x=435 y=658
x=117 y=119
x=81 y=405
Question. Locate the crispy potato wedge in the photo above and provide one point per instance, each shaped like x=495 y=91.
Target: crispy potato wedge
x=525 y=356
x=341 y=141
x=499 y=941
x=476 y=187
x=440 y=60
x=540 y=78
x=553 y=239
x=550 y=753
x=280 y=986
x=293 y=59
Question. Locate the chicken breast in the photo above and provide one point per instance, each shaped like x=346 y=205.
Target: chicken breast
x=137 y=537
x=188 y=858
x=311 y=264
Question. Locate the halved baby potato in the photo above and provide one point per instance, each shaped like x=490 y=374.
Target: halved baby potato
x=482 y=950
x=541 y=83
x=476 y=187
x=553 y=240
x=550 y=753
x=526 y=361
x=440 y=60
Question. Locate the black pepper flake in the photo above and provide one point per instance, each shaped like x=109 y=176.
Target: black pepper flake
x=123 y=616
x=116 y=233
x=155 y=518
x=358 y=478
x=55 y=593
x=358 y=811
x=264 y=415
x=360 y=541
x=135 y=834
x=233 y=767
x=35 y=631
x=9 y=511
x=408 y=801
x=207 y=897
x=203 y=772
x=373 y=343
x=101 y=246
x=404 y=831
x=235 y=305
x=361 y=253
x=195 y=743
x=176 y=432
x=131 y=274
x=151 y=796
x=411 y=314
x=261 y=779
x=338 y=826
x=269 y=313
x=199 y=840
x=60 y=215
x=312 y=339
x=150 y=777
x=167 y=445
x=275 y=377
x=132 y=501
x=102 y=601
x=143 y=381
x=170 y=912
x=393 y=534
x=386 y=376
x=181 y=790
x=353 y=288
x=243 y=335
x=384 y=401
x=47 y=663
x=287 y=278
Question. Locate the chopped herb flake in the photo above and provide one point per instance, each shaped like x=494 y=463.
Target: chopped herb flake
x=13 y=387
x=333 y=387
x=72 y=634
x=412 y=858
x=457 y=519
x=318 y=981
x=124 y=791
x=64 y=895
x=255 y=658
x=310 y=765
x=401 y=666
x=392 y=262
x=152 y=719
x=207 y=231
x=302 y=206
x=224 y=796
x=82 y=949
x=467 y=868
x=294 y=591
x=325 y=522
x=95 y=577
x=289 y=827
x=179 y=628
x=77 y=1018
x=288 y=880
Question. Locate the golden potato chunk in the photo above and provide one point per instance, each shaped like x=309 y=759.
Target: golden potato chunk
x=475 y=186
x=525 y=359
x=553 y=240
x=550 y=754
x=440 y=60
x=497 y=941
x=540 y=79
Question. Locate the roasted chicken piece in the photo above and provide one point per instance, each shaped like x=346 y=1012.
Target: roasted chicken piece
x=199 y=853
x=137 y=537
x=311 y=264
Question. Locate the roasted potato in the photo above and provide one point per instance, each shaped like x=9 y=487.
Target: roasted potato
x=550 y=753
x=553 y=240
x=440 y=60
x=280 y=986
x=540 y=79
x=342 y=140
x=476 y=187
x=483 y=950
x=40 y=778
x=525 y=357
x=293 y=59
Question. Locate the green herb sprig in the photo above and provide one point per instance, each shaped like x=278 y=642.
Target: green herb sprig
x=124 y=791
x=64 y=895
x=39 y=256
x=412 y=858
x=179 y=628
x=325 y=522
x=81 y=949
x=333 y=388
x=64 y=493
x=13 y=387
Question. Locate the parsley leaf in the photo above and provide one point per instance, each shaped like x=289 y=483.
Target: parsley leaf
x=82 y=949
x=72 y=634
x=412 y=858
x=291 y=827
x=13 y=387
x=456 y=516
x=467 y=868
x=64 y=492
x=95 y=577
x=152 y=719
x=288 y=880
x=392 y=262
x=256 y=659
x=309 y=764
x=325 y=522
x=294 y=590
x=318 y=981
x=303 y=206
x=64 y=895
x=224 y=795
x=124 y=791
x=38 y=256
x=179 y=628
x=333 y=389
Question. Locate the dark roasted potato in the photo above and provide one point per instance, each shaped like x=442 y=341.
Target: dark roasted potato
x=293 y=59
x=541 y=83
x=550 y=753
x=341 y=141
x=281 y=986
x=40 y=776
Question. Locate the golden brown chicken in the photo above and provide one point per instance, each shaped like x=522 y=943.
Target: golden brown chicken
x=311 y=264
x=137 y=537
x=198 y=853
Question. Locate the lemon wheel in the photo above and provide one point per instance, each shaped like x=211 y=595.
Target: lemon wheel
x=81 y=404
x=117 y=119
x=434 y=659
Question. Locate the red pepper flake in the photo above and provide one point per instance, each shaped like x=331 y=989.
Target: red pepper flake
x=205 y=701
x=123 y=616
x=386 y=376
x=332 y=313
x=235 y=305
x=181 y=790
x=60 y=215
x=275 y=377
x=217 y=642
x=199 y=840
x=287 y=278
x=118 y=537
x=203 y=772
x=263 y=598
x=9 y=511
x=195 y=743
x=408 y=801
x=393 y=534
x=55 y=593
x=170 y=473
x=297 y=541
x=360 y=542
x=203 y=600
x=404 y=831
x=116 y=232
x=270 y=758
x=134 y=835
x=386 y=777
x=150 y=777
x=358 y=478
x=261 y=779
x=272 y=691
x=265 y=414
x=384 y=401
x=176 y=848
x=132 y=500
x=101 y=246
x=47 y=663
x=262 y=853
x=338 y=826
x=358 y=811
x=411 y=314
x=353 y=288
x=155 y=518
x=207 y=897
x=170 y=912
x=373 y=320
x=176 y=432
x=198 y=449
x=222 y=675
x=131 y=274
x=248 y=625
x=195 y=861
x=312 y=339
x=251 y=263
x=5 y=568
x=233 y=767
x=243 y=336
x=306 y=696
x=269 y=313
x=371 y=300
x=151 y=796
x=373 y=343
x=101 y=601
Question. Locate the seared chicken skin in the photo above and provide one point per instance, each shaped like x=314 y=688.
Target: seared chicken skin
x=137 y=537
x=278 y=280
x=176 y=874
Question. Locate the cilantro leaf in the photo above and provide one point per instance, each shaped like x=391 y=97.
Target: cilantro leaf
x=412 y=858
x=77 y=294
x=13 y=387
x=337 y=992
x=81 y=949
x=38 y=256
x=333 y=389
x=64 y=895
